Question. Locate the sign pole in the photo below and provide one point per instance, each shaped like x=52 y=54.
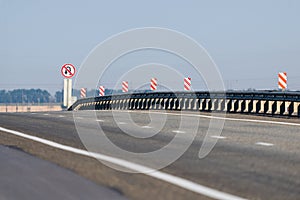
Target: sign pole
x=67 y=92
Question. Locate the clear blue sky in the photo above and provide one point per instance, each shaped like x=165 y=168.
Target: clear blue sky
x=250 y=41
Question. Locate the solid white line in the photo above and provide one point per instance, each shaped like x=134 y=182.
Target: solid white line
x=180 y=182
x=213 y=117
x=46 y=114
x=177 y=131
x=218 y=137
x=264 y=144
x=122 y=123
x=100 y=120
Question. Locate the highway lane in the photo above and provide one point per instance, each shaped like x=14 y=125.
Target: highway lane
x=26 y=177
x=254 y=160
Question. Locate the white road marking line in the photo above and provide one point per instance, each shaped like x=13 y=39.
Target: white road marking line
x=79 y=118
x=61 y=116
x=146 y=127
x=213 y=117
x=100 y=120
x=121 y=123
x=180 y=182
x=177 y=131
x=46 y=114
x=218 y=137
x=33 y=113
x=264 y=144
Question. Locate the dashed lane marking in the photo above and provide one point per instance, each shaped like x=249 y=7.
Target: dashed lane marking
x=264 y=144
x=218 y=137
x=177 y=131
x=146 y=127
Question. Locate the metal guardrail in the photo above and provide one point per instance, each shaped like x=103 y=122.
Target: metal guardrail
x=263 y=102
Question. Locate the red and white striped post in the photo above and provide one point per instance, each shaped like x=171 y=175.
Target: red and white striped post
x=153 y=85
x=83 y=92
x=187 y=83
x=101 y=91
x=125 y=86
x=282 y=80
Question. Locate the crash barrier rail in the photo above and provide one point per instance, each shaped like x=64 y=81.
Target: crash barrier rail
x=265 y=103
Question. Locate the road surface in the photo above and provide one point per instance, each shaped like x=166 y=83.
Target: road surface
x=254 y=158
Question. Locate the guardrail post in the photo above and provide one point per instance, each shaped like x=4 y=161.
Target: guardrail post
x=100 y=105
x=196 y=104
x=109 y=105
x=207 y=104
x=241 y=106
x=189 y=106
x=296 y=109
x=157 y=103
x=213 y=104
x=270 y=107
x=166 y=103
x=117 y=104
x=278 y=107
x=180 y=103
x=185 y=105
x=192 y=104
x=124 y=104
x=142 y=104
x=233 y=105
x=147 y=104
x=131 y=103
x=262 y=106
x=171 y=104
x=247 y=104
x=103 y=105
x=175 y=103
x=113 y=103
x=138 y=104
x=120 y=106
x=227 y=105
x=220 y=104
x=254 y=106
x=201 y=104
x=160 y=104
x=287 y=108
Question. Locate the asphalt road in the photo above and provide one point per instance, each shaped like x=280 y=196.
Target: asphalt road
x=254 y=158
x=26 y=177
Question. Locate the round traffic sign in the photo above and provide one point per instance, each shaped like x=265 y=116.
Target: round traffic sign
x=68 y=70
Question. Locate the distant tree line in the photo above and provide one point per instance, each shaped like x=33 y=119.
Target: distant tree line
x=25 y=96
x=36 y=96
